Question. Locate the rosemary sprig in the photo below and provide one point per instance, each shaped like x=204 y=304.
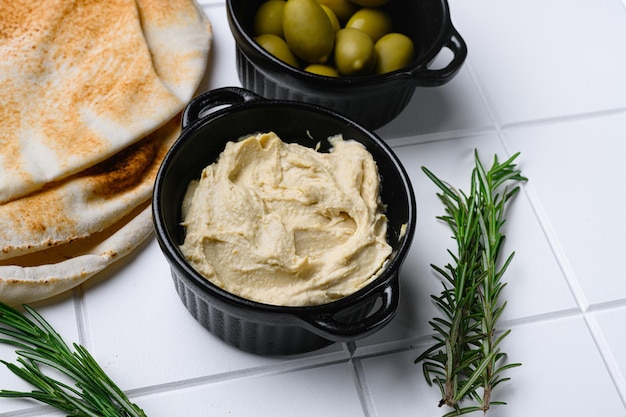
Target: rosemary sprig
x=94 y=394
x=464 y=361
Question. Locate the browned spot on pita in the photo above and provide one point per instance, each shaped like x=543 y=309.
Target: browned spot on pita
x=123 y=170
x=134 y=165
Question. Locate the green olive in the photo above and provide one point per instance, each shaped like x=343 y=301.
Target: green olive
x=374 y=22
x=332 y=17
x=354 y=52
x=343 y=8
x=393 y=51
x=308 y=30
x=269 y=18
x=277 y=46
x=321 y=69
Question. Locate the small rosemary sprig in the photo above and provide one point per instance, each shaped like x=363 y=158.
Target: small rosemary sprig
x=464 y=361
x=94 y=394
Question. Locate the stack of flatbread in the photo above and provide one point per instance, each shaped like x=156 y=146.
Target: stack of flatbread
x=91 y=93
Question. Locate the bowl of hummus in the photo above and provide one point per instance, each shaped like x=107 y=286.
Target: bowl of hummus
x=285 y=224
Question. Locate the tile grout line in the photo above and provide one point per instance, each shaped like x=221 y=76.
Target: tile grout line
x=399 y=142
x=553 y=241
x=360 y=382
x=41 y=410
x=433 y=137
x=286 y=367
x=548 y=121
x=606 y=353
x=607 y=305
x=418 y=343
x=80 y=311
x=483 y=97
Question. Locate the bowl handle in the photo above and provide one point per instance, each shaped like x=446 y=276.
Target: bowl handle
x=327 y=326
x=425 y=76
x=214 y=100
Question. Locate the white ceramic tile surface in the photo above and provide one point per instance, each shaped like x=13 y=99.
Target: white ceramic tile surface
x=542 y=78
x=439 y=112
x=300 y=393
x=578 y=191
x=536 y=59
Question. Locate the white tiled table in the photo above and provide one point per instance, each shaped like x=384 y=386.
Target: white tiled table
x=544 y=78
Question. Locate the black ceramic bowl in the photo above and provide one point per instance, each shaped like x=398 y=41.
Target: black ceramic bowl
x=209 y=122
x=371 y=101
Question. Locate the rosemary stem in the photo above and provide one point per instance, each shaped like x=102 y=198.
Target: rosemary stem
x=464 y=361
x=93 y=395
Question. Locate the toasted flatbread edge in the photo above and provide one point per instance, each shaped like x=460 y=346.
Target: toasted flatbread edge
x=20 y=285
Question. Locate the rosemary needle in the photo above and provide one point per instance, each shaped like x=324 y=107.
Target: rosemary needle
x=40 y=347
x=465 y=360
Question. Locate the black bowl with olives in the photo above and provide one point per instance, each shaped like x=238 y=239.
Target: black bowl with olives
x=374 y=93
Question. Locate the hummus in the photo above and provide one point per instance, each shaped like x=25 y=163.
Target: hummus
x=284 y=224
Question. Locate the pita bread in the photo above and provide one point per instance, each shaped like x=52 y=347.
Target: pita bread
x=78 y=81
x=87 y=202
x=45 y=274
x=176 y=32
x=92 y=104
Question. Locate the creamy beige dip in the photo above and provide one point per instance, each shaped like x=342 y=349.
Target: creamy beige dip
x=284 y=224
